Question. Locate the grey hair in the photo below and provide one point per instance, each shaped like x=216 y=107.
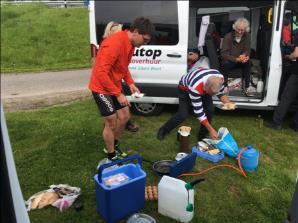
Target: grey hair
x=243 y=21
x=214 y=83
x=112 y=27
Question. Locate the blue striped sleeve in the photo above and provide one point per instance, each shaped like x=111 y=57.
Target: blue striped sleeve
x=221 y=92
x=197 y=105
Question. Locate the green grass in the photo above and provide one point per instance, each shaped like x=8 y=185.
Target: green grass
x=63 y=145
x=35 y=37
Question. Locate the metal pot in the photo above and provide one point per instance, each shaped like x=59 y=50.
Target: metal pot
x=161 y=167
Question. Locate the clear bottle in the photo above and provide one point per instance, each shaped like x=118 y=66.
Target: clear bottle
x=260 y=86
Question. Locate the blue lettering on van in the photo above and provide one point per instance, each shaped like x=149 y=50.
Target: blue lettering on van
x=148 y=53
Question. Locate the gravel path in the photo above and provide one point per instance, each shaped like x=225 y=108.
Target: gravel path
x=36 y=90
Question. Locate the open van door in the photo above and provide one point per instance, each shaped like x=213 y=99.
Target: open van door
x=158 y=75
x=160 y=64
x=265 y=67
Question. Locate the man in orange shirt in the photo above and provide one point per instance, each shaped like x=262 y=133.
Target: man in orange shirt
x=109 y=69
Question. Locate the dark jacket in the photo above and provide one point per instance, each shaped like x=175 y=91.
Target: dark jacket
x=231 y=49
x=295 y=64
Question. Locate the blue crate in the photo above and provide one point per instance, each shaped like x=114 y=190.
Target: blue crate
x=204 y=155
x=116 y=202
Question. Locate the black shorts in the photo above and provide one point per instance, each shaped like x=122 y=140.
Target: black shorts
x=107 y=104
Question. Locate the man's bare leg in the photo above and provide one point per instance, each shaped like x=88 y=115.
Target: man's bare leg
x=123 y=115
x=108 y=133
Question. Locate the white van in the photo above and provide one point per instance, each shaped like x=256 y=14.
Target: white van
x=158 y=66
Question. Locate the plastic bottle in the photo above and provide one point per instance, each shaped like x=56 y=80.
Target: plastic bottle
x=260 y=86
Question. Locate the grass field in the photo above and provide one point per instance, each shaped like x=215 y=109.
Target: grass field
x=35 y=37
x=63 y=145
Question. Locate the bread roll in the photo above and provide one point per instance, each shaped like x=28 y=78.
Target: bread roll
x=47 y=199
x=36 y=200
x=229 y=106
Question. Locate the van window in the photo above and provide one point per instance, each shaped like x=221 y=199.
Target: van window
x=164 y=15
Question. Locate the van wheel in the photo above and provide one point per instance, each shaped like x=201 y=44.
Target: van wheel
x=146 y=109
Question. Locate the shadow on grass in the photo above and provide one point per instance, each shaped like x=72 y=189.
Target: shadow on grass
x=261 y=114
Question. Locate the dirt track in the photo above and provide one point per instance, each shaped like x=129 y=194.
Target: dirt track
x=38 y=90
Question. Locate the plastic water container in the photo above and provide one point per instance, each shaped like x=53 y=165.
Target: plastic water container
x=250 y=158
x=173 y=199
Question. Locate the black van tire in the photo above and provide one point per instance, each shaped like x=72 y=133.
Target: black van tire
x=146 y=109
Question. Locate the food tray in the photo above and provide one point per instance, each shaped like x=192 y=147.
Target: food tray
x=212 y=158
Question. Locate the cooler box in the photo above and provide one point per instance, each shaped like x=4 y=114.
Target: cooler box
x=213 y=158
x=183 y=166
x=116 y=202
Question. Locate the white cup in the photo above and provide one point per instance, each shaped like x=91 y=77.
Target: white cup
x=180 y=156
x=260 y=86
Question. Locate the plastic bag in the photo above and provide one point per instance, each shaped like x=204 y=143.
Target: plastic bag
x=64 y=202
x=234 y=83
x=202 y=63
x=41 y=199
x=68 y=195
x=226 y=142
x=61 y=196
x=104 y=161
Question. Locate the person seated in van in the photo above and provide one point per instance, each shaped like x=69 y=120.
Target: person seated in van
x=235 y=53
x=109 y=69
x=113 y=27
x=195 y=60
x=289 y=94
x=195 y=90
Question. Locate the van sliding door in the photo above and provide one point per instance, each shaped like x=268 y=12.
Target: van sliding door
x=275 y=58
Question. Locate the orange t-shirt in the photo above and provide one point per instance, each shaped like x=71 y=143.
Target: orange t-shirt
x=286 y=35
x=111 y=65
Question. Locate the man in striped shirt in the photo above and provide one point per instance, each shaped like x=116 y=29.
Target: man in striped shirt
x=196 y=89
